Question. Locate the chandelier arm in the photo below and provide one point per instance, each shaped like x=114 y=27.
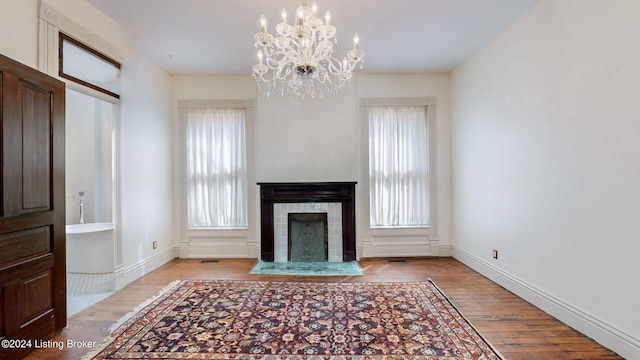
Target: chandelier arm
x=323 y=53
x=278 y=71
x=335 y=66
x=280 y=63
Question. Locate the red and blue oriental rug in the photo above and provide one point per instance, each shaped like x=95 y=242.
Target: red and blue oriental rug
x=295 y=321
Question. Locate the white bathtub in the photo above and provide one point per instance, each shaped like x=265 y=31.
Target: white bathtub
x=90 y=248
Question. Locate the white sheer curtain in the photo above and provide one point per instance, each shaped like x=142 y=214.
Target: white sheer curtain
x=398 y=165
x=216 y=167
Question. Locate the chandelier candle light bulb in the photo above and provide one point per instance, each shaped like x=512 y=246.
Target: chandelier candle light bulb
x=299 y=58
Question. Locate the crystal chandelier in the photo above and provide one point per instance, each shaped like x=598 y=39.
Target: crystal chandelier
x=299 y=58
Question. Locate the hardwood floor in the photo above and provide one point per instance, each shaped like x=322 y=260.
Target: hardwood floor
x=517 y=329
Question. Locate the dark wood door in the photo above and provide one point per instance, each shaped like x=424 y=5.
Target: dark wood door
x=32 y=213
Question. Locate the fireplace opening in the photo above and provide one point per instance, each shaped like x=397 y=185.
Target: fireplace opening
x=308 y=239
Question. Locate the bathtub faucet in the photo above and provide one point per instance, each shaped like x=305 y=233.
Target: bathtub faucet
x=81 y=193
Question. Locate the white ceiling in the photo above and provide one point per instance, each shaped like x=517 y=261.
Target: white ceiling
x=398 y=36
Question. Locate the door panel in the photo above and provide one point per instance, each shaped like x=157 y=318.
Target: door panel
x=19 y=246
x=30 y=298
x=32 y=213
x=27 y=148
x=36 y=154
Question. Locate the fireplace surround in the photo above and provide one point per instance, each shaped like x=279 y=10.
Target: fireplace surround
x=281 y=213
x=322 y=192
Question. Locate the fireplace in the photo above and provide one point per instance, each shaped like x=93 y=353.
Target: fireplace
x=336 y=199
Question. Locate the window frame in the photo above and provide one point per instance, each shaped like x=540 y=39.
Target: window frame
x=62 y=37
x=431 y=107
x=183 y=107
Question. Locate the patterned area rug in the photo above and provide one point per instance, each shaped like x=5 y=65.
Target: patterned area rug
x=295 y=320
x=349 y=268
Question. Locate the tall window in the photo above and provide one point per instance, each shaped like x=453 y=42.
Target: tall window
x=398 y=166
x=216 y=167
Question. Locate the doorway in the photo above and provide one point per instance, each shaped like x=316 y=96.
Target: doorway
x=89 y=186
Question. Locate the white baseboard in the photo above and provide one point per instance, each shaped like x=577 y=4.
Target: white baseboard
x=618 y=341
x=125 y=276
x=446 y=251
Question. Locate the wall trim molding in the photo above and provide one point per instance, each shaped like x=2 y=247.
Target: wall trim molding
x=125 y=276
x=615 y=339
x=51 y=21
x=446 y=251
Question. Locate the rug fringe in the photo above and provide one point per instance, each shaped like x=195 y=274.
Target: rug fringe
x=465 y=318
x=109 y=338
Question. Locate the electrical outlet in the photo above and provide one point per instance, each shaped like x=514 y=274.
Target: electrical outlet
x=155 y=244
x=495 y=254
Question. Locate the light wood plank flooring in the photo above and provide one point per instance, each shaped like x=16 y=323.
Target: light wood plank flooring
x=517 y=329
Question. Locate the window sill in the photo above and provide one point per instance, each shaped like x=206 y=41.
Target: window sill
x=400 y=231
x=218 y=229
x=392 y=227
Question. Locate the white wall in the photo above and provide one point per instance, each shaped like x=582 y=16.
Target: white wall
x=314 y=140
x=145 y=130
x=146 y=167
x=546 y=164
x=19 y=29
